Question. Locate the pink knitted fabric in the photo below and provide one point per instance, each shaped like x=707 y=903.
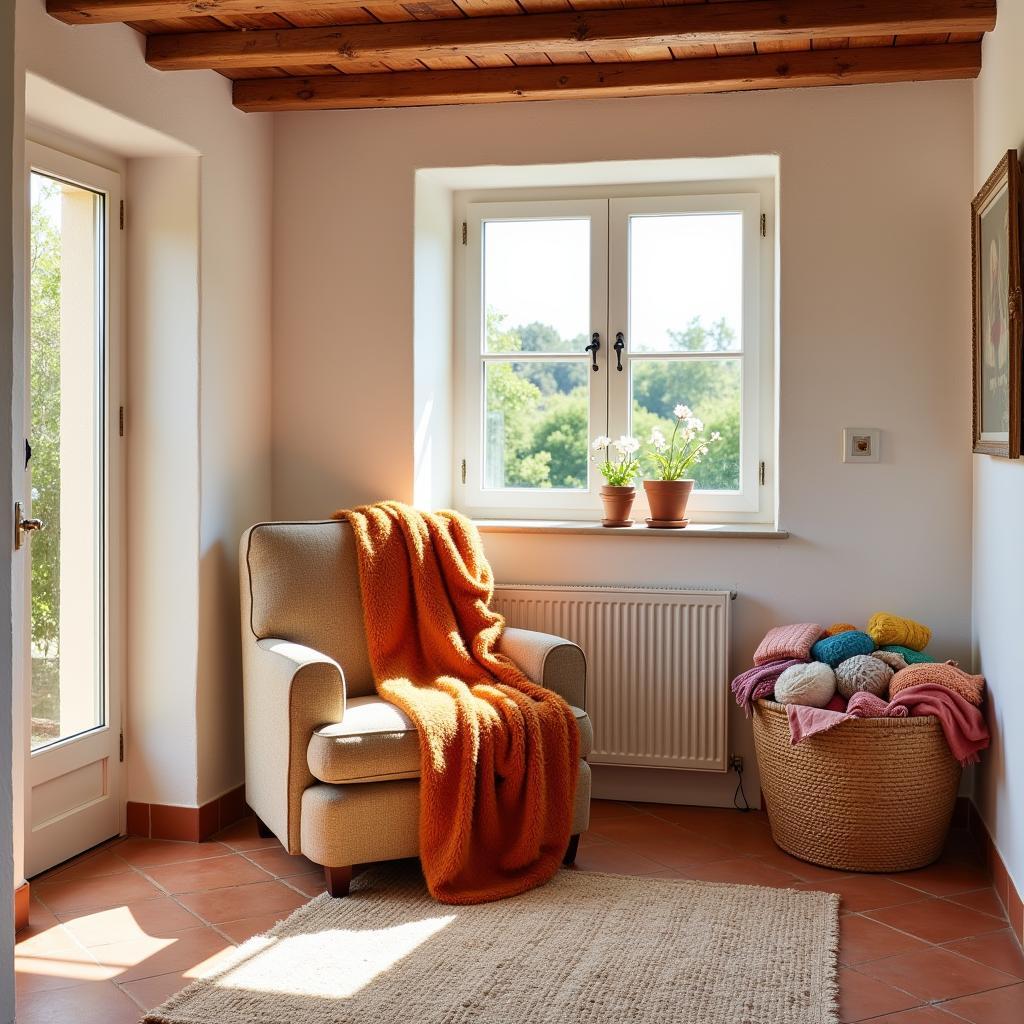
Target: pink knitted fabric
x=971 y=688
x=962 y=723
x=868 y=705
x=788 y=642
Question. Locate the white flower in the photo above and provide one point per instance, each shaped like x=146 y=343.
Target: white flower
x=682 y=412
x=715 y=435
x=658 y=440
x=601 y=442
x=626 y=445
x=695 y=424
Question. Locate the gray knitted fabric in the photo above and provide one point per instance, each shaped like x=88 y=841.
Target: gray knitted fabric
x=863 y=672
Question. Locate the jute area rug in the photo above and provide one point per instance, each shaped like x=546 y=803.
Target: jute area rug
x=584 y=948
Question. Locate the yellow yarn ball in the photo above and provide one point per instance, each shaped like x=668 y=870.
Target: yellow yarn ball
x=885 y=629
x=839 y=627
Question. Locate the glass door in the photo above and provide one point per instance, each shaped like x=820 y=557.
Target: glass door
x=69 y=504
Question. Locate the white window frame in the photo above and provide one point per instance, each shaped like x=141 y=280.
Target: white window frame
x=609 y=210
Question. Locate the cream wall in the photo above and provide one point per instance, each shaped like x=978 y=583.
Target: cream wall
x=205 y=466
x=999 y=494
x=874 y=312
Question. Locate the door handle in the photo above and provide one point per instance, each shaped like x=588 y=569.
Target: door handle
x=619 y=345
x=23 y=525
x=592 y=348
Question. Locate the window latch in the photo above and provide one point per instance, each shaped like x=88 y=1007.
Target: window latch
x=592 y=348
x=619 y=345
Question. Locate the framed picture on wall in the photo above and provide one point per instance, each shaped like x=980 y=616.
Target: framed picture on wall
x=996 y=262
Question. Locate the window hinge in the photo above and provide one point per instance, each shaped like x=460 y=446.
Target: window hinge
x=760 y=474
x=764 y=225
x=120 y=421
x=463 y=470
x=120 y=748
x=465 y=233
x=121 y=214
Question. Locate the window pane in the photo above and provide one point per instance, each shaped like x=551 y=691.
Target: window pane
x=537 y=285
x=66 y=465
x=686 y=283
x=711 y=388
x=535 y=424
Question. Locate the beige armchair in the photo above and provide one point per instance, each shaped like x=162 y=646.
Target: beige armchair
x=330 y=768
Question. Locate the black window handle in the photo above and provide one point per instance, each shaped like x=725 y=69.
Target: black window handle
x=595 y=344
x=619 y=345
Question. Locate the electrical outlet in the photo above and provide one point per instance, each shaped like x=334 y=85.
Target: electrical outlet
x=736 y=762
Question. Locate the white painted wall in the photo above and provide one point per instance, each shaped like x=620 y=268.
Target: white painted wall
x=999 y=495
x=184 y=623
x=873 y=310
x=8 y=122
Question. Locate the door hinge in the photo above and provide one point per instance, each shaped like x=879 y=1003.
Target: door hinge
x=764 y=225
x=465 y=233
x=760 y=474
x=121 y=214
x=120 y=421
x=463 y=470
x=120 y=748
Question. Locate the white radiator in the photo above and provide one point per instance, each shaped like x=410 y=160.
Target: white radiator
x=657 y=667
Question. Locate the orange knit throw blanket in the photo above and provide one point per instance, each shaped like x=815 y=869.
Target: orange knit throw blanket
x=498 y=753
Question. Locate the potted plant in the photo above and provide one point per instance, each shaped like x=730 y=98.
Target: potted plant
x=668 y=494
x=618 y=493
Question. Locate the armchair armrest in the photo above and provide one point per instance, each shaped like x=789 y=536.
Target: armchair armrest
x=554 y=663
x=288 y=691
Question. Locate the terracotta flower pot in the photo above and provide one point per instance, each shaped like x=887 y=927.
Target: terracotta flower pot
x=667 y=500
x=618 y=501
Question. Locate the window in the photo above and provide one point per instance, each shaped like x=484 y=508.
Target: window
x=549 y=288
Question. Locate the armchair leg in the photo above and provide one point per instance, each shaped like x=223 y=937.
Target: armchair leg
x=262 y=831
x=570 y=853
x=338 y=880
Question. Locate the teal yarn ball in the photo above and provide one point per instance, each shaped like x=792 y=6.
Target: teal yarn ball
x=909 y=656
x=833 y=650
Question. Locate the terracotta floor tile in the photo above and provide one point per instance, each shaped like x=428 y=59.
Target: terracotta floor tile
x=95 y=893
x=945 y=878
x=145 y=958
x=616 y=859
x=743 y=871
x=281 y=864
x=149 y=993
x=94 y=865
x=242 y=835
x=44 y=939
x=984 y=900
x=152 y=918
x=679 y=848
x=935 y=974
x=801 y=869
x=996 y=949
x=240 y=931
x=309 y=885
x=865 y=892
x=861 y=998
x=603 y=810
x=937 y=920
x=243 y=900
x=918 y=1015
x=204 y=875
x=861 y=939
x=97 y=1003
x=58 y=968
x=39 y=916
x=1000 y=1006
x=146 y=853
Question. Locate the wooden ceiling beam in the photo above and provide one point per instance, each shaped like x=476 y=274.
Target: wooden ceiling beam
x=715 y=23
x=99 y=12
x=640 y=78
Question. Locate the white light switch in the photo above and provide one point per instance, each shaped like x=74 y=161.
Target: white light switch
x=860 y=444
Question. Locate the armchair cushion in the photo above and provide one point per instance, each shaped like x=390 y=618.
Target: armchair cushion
x=377 y=742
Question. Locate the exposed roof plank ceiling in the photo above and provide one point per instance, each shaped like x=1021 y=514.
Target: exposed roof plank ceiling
x=291 y=55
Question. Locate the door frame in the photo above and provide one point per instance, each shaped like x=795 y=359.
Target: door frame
x=108 y=182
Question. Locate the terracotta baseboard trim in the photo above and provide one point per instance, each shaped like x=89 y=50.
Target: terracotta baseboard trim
x=1003 y=884
x=21 y=905
x=186 y=824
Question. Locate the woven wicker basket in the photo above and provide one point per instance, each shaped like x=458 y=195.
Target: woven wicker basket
x=876 y=794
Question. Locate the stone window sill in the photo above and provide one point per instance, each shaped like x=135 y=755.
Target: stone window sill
x=695 y=531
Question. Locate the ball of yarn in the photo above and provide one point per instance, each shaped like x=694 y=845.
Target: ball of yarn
x=909 y=656
x=839 y=627
x=813 y=684
x=863 y=672
x=891 y=658
x=884 y=629
x=836 y=649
